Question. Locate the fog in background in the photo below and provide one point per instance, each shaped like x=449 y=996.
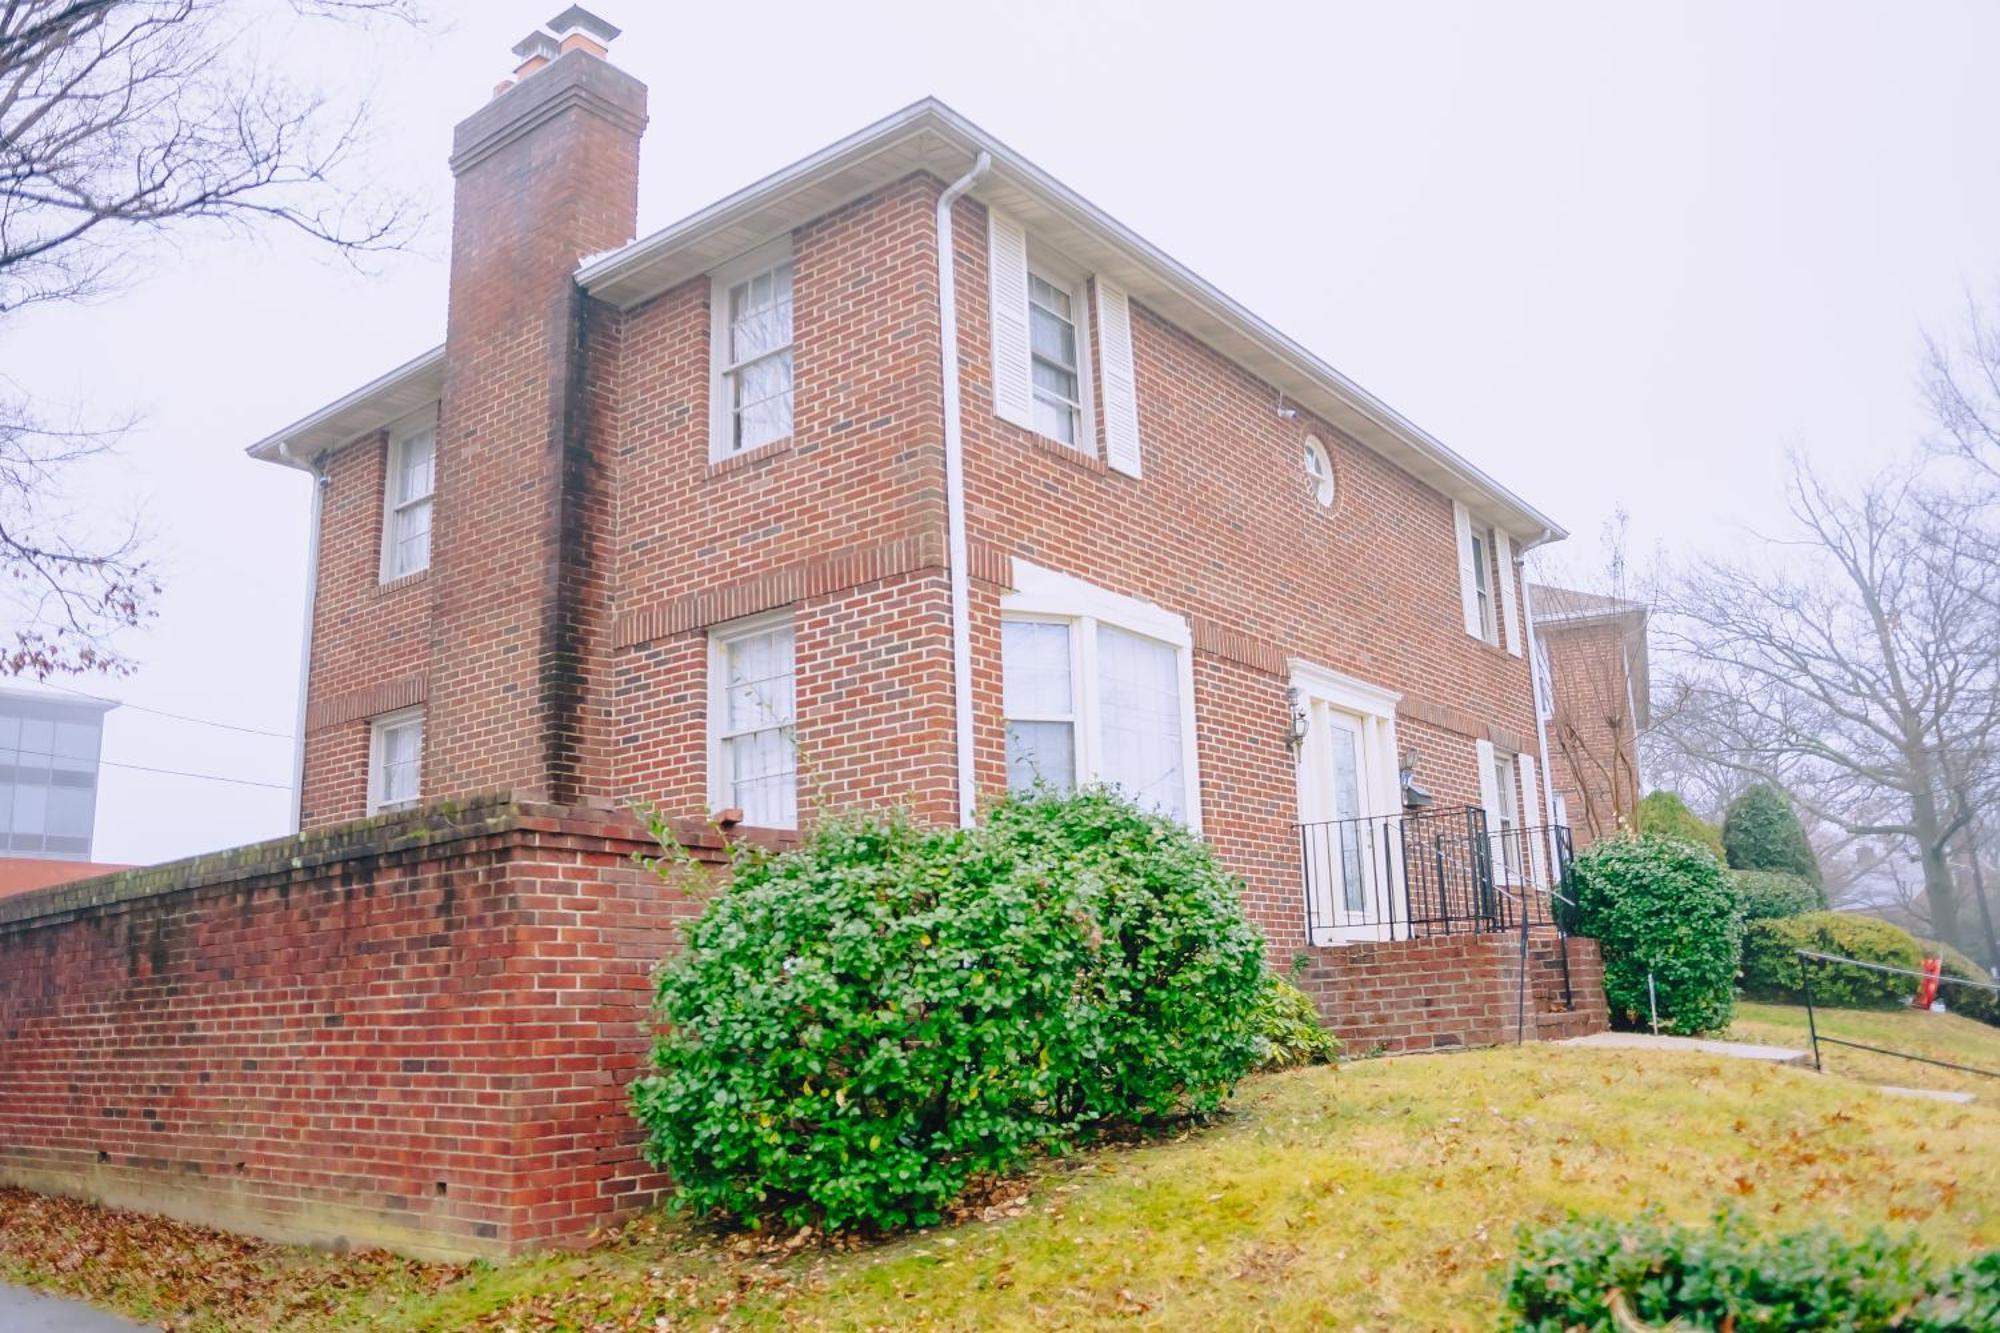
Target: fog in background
x=1617 y=260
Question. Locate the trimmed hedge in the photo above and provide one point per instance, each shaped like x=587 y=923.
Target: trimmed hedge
x=1662 y=814
x=1967 y=1001
x=1773 y=893
x=1289 y=1031
x=1603 y=1274
x=859 y=1026
x=1761 y=831
x=1662 y=907
x=1771 y=968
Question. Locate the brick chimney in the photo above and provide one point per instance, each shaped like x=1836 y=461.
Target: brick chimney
x=546 y=173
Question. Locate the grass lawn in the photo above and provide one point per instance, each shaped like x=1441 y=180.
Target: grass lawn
x=1382 y=1195
x=1938 y=1036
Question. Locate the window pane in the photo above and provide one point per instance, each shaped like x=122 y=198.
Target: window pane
x=38 y=736
x=402 y=749
x=760 y=314
x=1052 y=337
x=762 y=401
x=412 y=549
x=1035 y=666
x=31 y=807
x=1140 y=719
x=69 y=812
x=414 y=478
x=1055 y=420
x=1041 y=753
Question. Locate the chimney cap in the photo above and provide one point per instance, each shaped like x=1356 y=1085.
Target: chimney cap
x=578 y=19
x=537 y=43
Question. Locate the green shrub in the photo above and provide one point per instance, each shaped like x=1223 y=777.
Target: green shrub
x=857 y=1027
x=1967 y=1001
x=1604 y=1274
x=1289 y=1030
x=1773 y=893
x=1761 y=831
x=1665 y=815
x=1771 y=964
x=1665 y=907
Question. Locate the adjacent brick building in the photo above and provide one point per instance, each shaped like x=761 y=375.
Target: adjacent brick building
x=1596 y=668
x=765 y=514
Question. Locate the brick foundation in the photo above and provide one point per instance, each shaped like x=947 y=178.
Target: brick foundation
x=1454 y=991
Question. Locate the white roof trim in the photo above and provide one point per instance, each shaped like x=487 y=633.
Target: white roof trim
x=408 y=388
x=929 y=135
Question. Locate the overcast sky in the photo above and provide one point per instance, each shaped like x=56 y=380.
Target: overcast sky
x=1615 y=258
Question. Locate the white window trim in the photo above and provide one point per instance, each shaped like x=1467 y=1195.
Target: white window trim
x=400 y=434
x=1060 y=273
x=1488 y=756
x=1325 y=487
x=1045 y=594
x=772 y=254
x=720 y=797
x=1381 y=779
x=1488 y=610
x=378 y=728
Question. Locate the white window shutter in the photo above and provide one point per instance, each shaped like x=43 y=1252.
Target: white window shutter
x=1489 y=801
x=1531 y=813
x=1007 y=269
x=1468 y=580
x=1509 y=611
x=1121 y=392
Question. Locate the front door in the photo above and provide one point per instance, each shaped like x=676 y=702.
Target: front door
x=1342 y=847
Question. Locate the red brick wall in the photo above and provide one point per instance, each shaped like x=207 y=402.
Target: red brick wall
x=1593 y=737
x=422 y=1036
x=1455 y=991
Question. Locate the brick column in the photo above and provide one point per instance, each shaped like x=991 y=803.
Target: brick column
x=547 y=172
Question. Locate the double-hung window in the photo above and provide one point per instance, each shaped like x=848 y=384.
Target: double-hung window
x=1482 y=581
x=1097 y=688
x=1486 y=580
x=395 y=760
x=751 y=316
x=753 y=760
x=406 y=527
x=1057 y=363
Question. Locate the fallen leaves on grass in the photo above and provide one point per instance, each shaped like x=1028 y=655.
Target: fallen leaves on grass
x=183 y=1276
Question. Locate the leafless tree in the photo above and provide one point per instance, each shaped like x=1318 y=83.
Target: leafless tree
x=1856 y=664
x=122 y=122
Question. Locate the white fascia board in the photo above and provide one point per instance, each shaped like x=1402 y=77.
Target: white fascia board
x=929 y=135
x=408 y=388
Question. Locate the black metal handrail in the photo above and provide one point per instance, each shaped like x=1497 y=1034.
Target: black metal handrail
x=1441 y=872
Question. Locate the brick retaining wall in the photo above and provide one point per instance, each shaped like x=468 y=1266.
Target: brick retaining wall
x=414 y=1032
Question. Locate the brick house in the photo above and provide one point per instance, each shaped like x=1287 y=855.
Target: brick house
x=677 y=520
x=763 y=514
x=1593 y=650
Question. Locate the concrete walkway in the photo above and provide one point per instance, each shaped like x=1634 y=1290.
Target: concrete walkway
x=1734 y=1050
x=24 y=1311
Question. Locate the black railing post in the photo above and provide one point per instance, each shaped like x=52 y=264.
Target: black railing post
x=1812 y=1025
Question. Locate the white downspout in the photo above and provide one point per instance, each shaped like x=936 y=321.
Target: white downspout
x=317 y=470
x=1535 y=693
x=954 y=494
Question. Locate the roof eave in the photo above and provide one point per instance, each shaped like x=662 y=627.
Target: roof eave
x=383 y=400
x=641 y=270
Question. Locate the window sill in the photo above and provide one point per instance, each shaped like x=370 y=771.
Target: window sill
x=1068 y=453
x=396 y=585
x=750 y=457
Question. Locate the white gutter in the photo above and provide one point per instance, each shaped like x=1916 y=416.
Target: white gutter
x=318 y=469
x=954 y=493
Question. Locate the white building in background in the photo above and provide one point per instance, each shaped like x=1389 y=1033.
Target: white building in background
x=49 y=746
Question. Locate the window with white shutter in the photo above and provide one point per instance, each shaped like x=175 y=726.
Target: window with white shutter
x=1503 y=560
x=1007 y=281
x=1480 y=599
